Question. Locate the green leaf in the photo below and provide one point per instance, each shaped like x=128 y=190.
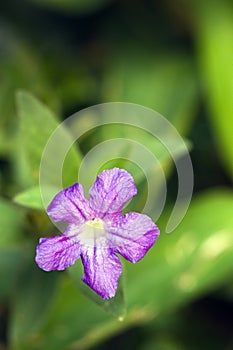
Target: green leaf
x=11 y=238
x=76 y=323
x=11 y=222
x=115 y=306
x=195 y=258
x=37 y=125
x=10 y=262
x=20 y=65
x=31 y=198
x=33 y=296
x=164 y=82
x=214 y=33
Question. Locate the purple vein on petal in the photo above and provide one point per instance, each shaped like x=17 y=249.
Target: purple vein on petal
x=111 y=191
x=70 y=206
x=58 y=252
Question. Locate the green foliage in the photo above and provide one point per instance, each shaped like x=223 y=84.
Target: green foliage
x=194 y=258
x=21 y=67
x=35 y=291
x=174 y=58
x=10 y=259
x=166 y=84
x=115 y=306
x=11 y=238
x=11 y=220
x=37 y=125
x=31 y=197
x=214 y=32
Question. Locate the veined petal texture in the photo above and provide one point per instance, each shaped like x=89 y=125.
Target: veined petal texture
x=111 y=191
x=57 y=253
x=132 y=235
x=102 y=269
x=70 y=206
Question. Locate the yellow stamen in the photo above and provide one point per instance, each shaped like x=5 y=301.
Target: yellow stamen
x=97 y=223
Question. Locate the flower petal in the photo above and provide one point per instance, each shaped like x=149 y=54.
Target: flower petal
x=70 y=206
x=132 y=235
x=102 y=269
x=57 y=253
x=110 y=192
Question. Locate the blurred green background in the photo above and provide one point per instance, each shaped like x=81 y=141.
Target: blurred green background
x=60 y=56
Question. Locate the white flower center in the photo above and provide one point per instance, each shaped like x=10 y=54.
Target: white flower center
x=93 y=234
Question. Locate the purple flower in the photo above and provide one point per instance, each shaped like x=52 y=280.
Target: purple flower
x=97 y=231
